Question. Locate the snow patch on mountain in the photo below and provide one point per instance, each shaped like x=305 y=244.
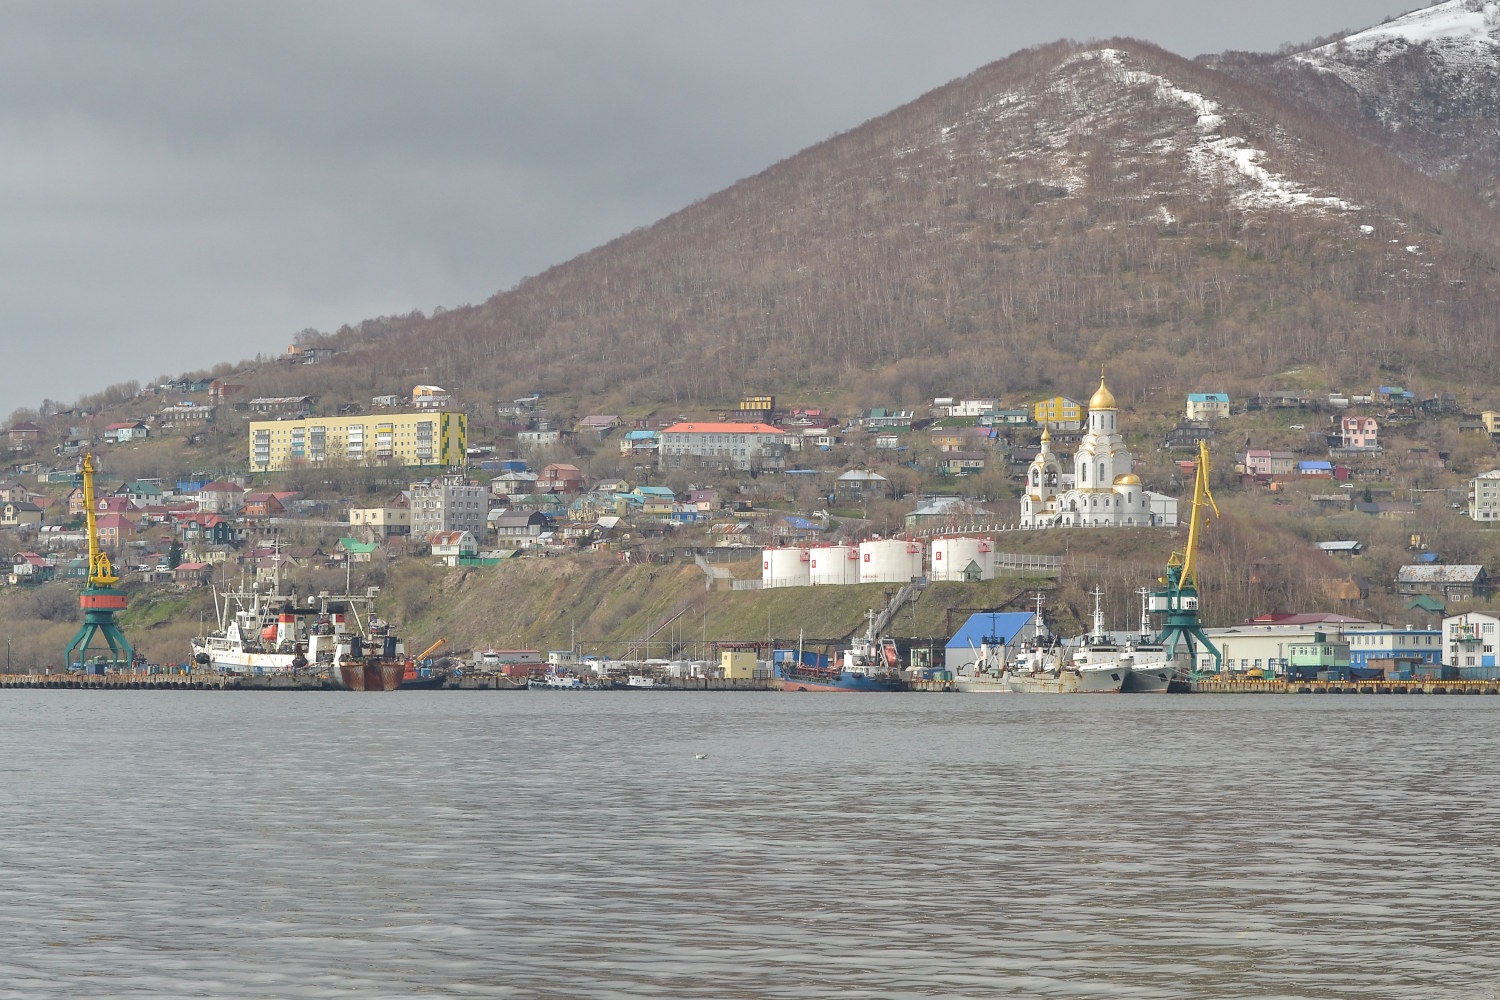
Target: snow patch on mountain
x=1453 y=21
x=1214 y=152
x=1464 y=35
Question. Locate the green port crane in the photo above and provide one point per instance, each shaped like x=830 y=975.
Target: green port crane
x=101 y=598
x=1178 y=598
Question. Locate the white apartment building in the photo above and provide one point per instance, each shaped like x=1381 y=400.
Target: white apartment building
x=1469 y=640
x=732 y=445
x=1484 y=496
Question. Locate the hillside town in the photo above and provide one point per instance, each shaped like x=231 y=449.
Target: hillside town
x=961 y=475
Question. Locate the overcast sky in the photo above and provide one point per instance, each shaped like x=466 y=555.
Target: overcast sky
x=184 y=183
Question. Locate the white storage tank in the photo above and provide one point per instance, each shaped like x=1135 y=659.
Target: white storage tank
x=891 y=560
x=834 y=565
x=951 y=558
x=788 y=567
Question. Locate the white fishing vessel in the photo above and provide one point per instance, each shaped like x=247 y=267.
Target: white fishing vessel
x=261 y=632
x=1103 y=661
x=1152 y=669
x=987 y=672
x=1044 y=668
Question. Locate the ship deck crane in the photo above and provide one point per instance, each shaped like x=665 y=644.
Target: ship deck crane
x=1178 y=598
x=101 y=598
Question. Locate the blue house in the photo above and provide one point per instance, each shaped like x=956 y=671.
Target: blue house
x=1315 y=469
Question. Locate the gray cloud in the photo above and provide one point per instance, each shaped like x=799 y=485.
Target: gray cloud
x=183 y=184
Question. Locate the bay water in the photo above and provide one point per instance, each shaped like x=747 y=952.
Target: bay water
x=668 y=844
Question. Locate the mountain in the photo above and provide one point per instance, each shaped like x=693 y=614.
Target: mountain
x=1190 y=224
x=1426 y=86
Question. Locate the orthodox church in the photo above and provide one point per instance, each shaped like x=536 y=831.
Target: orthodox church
x=1102 y=490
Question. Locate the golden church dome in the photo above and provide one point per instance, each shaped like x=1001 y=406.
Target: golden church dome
x=1128 y=479
x=1046 y=435
x=1103 y=399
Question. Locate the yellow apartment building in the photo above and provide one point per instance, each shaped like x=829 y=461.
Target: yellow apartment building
x=385 y=439
x=1058 y=413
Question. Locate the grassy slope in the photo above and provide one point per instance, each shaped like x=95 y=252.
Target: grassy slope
x=608 y=605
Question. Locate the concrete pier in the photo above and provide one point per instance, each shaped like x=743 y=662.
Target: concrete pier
x=1417 y=685
x=163 y=682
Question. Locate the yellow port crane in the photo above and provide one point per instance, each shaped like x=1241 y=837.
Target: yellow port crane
x=1178 y=598
x=101 y=598
x=101 y=572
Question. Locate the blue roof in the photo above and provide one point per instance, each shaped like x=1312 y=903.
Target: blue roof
x=801 y=523
x=1208 y=397
x=640 y=435
x=1316 y=465
x=1006 y=625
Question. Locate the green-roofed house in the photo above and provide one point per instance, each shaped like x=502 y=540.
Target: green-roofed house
x=1427 y=603
x=357 y=551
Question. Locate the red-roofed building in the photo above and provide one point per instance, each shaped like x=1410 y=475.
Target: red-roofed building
x=731 y=445
x=114 y=529
x=129 y=430
x=263 y=505
x=28 y=567
x=114 y=505
x=559 y=477
x=451 y=546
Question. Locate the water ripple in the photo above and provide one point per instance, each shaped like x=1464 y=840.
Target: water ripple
x=193 y=844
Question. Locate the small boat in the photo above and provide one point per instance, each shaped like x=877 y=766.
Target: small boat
x=556 y=680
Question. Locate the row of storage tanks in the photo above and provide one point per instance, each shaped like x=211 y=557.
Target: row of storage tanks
x=879 y=560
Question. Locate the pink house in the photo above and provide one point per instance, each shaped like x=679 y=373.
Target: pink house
x=1262 y=462
x=560 y=477
x=1358 y=432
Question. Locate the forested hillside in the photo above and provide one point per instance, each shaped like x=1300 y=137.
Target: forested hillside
x=1068 y=205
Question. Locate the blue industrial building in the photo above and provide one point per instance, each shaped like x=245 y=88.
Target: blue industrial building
x=1010 y=629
